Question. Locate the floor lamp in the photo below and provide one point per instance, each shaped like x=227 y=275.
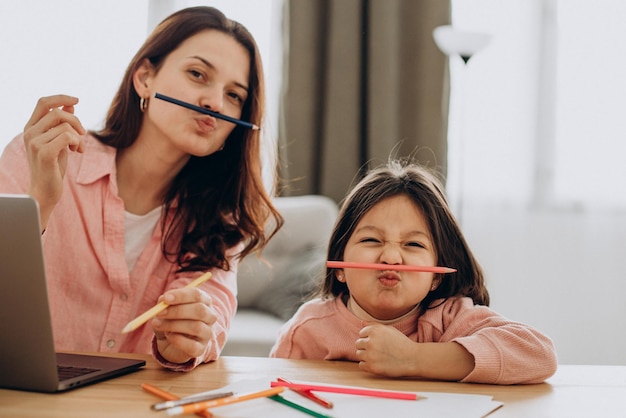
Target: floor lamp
x=463 y=44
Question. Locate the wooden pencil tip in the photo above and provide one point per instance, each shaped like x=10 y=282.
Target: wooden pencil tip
x=128 y=328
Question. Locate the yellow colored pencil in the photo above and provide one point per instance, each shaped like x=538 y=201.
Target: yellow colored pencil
x=160 y=307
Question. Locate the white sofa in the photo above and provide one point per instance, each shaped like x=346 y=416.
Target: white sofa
x=270 y=291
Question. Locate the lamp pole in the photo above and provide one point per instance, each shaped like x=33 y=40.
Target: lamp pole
x=463 y=44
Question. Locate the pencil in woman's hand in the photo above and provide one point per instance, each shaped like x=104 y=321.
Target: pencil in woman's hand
x=159 y=307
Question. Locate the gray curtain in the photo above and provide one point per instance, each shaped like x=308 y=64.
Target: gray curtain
x=363 y=81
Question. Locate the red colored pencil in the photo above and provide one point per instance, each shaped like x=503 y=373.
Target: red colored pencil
x=350 y=390
x=309 y=395
x=396 y=267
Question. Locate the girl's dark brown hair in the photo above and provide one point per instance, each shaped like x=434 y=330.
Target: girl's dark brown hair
x=218 y=200
x=426 y=191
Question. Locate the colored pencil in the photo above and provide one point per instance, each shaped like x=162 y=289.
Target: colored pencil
x=206 y=111
x=349 y=390
x=163 y=394
x=299 y=407
x=160 y=307
x=194 y=407
x=190 y=399
x=310 y=395
x=395 y=267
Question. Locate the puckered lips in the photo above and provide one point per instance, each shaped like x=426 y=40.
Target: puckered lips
x=206 y=124
x=389 y=278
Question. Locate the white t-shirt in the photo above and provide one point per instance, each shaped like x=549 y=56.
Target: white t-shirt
x=138 y=230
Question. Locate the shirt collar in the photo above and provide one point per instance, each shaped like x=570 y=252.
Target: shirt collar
x=97 y=161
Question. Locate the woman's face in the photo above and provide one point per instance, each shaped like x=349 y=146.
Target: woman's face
x=211 y=70
x=394 y=231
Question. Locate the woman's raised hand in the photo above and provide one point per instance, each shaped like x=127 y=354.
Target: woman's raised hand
x=49 y=135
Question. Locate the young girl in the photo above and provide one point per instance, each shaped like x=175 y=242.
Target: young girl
x=157 y=197
x=417 y=324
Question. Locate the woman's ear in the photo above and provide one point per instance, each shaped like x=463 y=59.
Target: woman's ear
x=142 y=79
x=435 y=283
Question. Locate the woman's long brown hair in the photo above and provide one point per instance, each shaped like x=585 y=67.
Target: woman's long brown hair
x=218 y=200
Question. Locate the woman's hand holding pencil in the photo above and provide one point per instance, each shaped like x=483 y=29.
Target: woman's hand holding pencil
x=160 y=307
x=178 y=336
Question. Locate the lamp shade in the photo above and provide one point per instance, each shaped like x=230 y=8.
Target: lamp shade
x=456 y=42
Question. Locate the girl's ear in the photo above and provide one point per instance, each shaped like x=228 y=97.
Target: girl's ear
x=142 y=79
x=340 y=276
x=435 y=283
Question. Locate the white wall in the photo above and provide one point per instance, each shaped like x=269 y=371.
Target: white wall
x=74 y=47
x=543 y=197
x=561 y=271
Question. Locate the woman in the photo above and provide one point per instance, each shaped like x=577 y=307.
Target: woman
x=157 y=197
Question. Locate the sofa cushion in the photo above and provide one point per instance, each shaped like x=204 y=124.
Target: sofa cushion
x=293 y=258
x=299 y=279
x=271 y=289
x=252 y=333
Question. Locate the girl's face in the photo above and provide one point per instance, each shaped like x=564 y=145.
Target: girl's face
x=394 y=231
x=211 y=70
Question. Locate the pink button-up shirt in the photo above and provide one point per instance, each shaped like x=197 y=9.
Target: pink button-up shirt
x=91 y=292
x=505 y=352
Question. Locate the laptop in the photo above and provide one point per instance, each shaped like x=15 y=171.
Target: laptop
x=28 y=360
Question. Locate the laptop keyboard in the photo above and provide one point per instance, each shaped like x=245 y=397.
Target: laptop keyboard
x=68 y=372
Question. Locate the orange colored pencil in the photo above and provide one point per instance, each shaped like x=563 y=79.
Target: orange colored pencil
x=167 y=396
x=195 y=407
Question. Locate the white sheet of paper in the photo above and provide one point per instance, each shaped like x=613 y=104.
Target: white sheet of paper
x=431 y=404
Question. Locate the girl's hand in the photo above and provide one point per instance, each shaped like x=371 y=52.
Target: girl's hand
x=51 y=131
x=383 y=350
x=184 y=330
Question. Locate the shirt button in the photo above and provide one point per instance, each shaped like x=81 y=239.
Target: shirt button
x=111 y=343
x=123 y=296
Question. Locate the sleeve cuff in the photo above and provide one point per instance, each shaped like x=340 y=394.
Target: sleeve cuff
x=487 y=361
x=177 y=367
